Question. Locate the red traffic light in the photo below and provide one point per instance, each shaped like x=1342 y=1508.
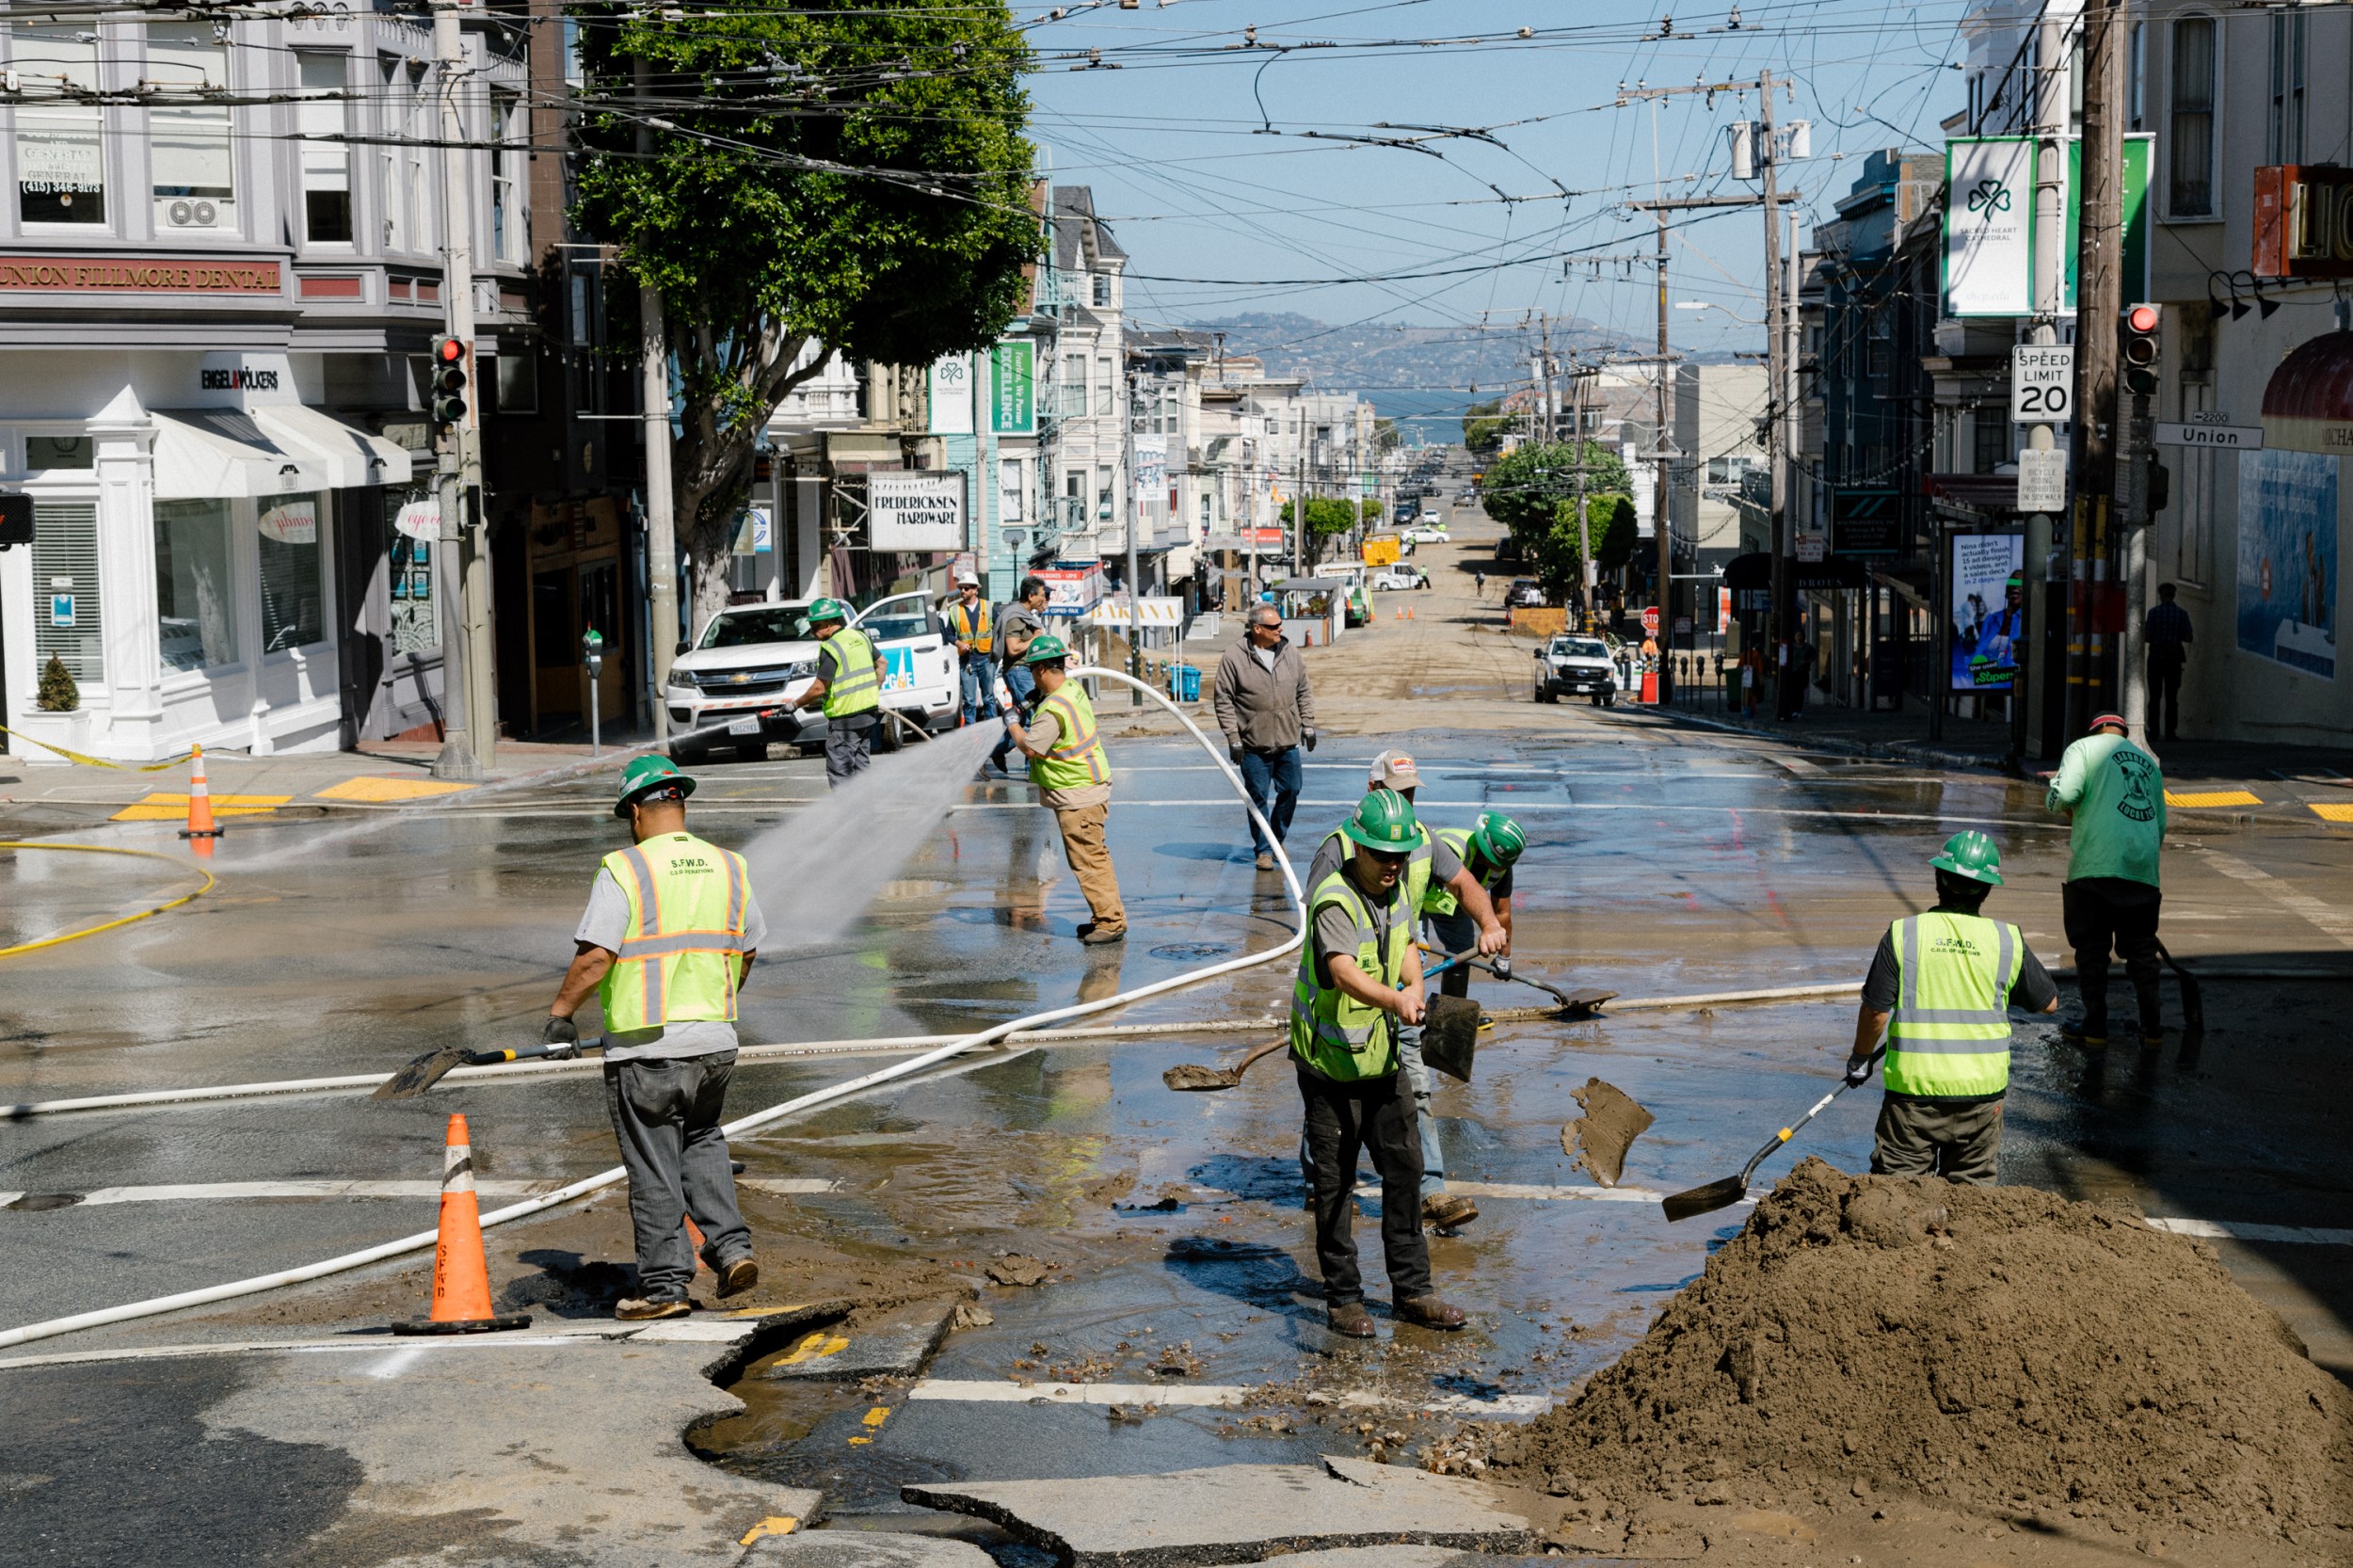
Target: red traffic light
x=2141 y=318
x=450 y=351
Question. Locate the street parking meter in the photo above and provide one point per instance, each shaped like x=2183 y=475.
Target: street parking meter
x=592 y=645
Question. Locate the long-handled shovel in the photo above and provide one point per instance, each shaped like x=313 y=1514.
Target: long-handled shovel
x=1583 y=1003
x=430 y=1069
x=1731 y=1190
x=2193 y=996
x=1191 y=1077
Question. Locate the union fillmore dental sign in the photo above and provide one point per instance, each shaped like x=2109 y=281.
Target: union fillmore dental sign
x=77 y=274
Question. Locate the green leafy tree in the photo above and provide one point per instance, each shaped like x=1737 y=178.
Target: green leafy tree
x=1523 y=486
x=1559 y=558
x=826 y=175
x=1485 y=424
x=1328 y=514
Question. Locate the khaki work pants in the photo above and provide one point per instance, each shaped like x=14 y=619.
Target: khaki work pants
x=1090 y=860
x=1957 y=1141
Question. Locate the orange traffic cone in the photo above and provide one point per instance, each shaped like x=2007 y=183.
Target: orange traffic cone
x=199 y=829
x=1409 y=612
x=461 y=1276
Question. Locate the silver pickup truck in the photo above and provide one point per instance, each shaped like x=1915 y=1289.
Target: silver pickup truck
x=1573 y=666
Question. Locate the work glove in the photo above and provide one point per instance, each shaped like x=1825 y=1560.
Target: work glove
x=1236 y=754
x=561 y=1032
x=1858 y=1073
x=1308 y=740
x=1502 y=966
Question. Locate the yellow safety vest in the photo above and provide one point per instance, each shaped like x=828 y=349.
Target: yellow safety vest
x=1950 y=1035
x=1439 y=899
x=681 y=956
x=857 y=689
x=1332 y=1032
x=1419 y=866
x=1076 y=758
x=982 y=636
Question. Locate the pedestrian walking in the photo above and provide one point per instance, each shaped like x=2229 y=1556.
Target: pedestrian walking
x=2166 y=631
x=848 y=687
x=1074 y=781
x=1359 y=980
x=2113 y=796
x=1941 y=987
x=1264 y=706
x=1751 y=680
x=972 y=625
x=1479 y=581
x=1019 y=624
x=671 y=930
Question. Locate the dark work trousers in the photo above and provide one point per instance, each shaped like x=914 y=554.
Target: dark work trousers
x=2165 y=690
x=665 y=1117
x=1454 y=933
x=849 y=748
x=1958 y=1140
x=1273 y=779
x=2104 y=910
x=1343 y=1119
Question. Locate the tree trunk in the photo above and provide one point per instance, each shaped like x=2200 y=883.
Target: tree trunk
x=712 y=463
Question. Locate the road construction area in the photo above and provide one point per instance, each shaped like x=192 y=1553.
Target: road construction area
x=1030 y=1305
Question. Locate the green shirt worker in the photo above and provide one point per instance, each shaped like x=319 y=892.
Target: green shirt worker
x=1941 y=987
x=848 y=687
x=1359 y=982
x=2113 y=796
x=670 y=932
x=1073 y=778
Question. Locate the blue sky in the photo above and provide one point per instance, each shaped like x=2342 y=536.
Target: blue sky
x=1197 y=148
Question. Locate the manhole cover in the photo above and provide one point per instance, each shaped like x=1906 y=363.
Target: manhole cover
x=1193 y=950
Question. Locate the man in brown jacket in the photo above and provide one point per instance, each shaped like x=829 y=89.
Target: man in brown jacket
x=1267 y=712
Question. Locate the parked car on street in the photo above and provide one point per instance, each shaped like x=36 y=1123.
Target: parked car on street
x=1523 y=593
x=1572 y=667
x=753 y=661
x=1398 y=577
x=1428 y=533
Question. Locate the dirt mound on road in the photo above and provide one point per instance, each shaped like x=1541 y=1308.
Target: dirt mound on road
x=1996 y=1348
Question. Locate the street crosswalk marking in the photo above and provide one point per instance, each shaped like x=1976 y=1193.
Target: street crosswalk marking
x=2329 y=919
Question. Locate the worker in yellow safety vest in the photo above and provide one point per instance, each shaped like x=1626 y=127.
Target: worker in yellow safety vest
x=973 y=627
x=1074 y=781
x=1941 y=987
x=1359 y=982
x=848 y=687
x=670 y=932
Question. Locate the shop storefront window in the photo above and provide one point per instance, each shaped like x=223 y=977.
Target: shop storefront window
x=195 y=187
x=60 y=162
x=293 y=614
x=195 y=593
x=67 y=622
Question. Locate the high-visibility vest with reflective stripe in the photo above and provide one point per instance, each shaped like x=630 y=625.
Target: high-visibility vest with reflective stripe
x=1950 y=1033
x=1332 y=1032
x=857 y=688
x=981 y=635
x=1440 y=899
x=1076 y=758
x=682 y=950
x=1419 y=865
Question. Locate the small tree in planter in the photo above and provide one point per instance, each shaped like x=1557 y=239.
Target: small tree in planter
x=58 y=694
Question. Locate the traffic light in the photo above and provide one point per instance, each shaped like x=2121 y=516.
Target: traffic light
x=2138 y=349
x=448 y=398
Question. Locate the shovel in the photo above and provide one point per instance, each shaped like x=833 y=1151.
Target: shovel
x=1731 y=1190
x=1190 y=1078
x=430 y=1069
x=2193 y=997
x=1584 y=1002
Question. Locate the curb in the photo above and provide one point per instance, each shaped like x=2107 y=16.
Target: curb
x=1891 y=751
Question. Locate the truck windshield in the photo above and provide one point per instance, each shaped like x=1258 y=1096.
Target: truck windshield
x=1579 y=648
x=780 y=623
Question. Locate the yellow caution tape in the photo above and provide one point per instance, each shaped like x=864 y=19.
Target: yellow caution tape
x=101 y=761
x=92 y=931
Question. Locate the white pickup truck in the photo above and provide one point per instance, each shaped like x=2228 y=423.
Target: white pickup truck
x=738 y=680
x=1572 y=665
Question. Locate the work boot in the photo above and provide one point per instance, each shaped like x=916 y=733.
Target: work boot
x=636 y=1309
x=736 y=1275
x=2086 y=1034
x=1429 y=1312
x=1350 y=1320
x=1447 y=1211
x=1095 y=936
x=2152 y=1039
x=1266 y=862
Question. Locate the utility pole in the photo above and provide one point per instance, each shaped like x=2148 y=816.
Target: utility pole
x=1584 y=527
x=1135 y=587
x=2050 y=265
x=653 y=381
x=1777 y=456
x=1662 y=451
x=470 y=745
x=2099 y=280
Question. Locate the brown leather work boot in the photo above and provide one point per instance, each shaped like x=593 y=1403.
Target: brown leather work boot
x=1351 y=1319
x=1429 y=1312
x=1447 y=1211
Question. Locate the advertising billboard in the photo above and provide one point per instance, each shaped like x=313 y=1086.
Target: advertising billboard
x=2287 y=559
x=1987 y=603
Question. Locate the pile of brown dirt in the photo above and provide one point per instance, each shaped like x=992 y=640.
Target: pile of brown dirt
x=1995 y=1348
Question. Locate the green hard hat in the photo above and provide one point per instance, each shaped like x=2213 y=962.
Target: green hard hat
x=828 y=609
x=1971 y=855
x=647 y=773
x=1385 y=821
x=1498 y=838
x=1046 y=645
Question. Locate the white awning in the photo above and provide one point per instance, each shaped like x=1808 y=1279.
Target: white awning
x=218 y=454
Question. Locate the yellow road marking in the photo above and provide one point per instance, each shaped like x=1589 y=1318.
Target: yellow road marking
x=775 y=1523
x=383 y=791
x=2331 y=811
x=877 y=1415
x=2210 y=797
x=813 y=1345
x=161 y=806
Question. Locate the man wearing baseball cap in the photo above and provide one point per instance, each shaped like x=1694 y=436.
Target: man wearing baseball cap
x=972 y=623
x=2113 y=796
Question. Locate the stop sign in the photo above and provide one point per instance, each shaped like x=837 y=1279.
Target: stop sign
x=1650 y=620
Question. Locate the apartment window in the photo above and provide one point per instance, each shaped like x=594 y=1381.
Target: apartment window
x=1882 y=355
x=1102 y=492
x=392 y=162
x=509 y=132
x=2192 y=509
x=1010 y=491
x=1993 y=440
x=195 y=592
x=2288 y=36
x=2136 y=75
x=1073 y=385
x=320 y=119
x=294 y=613
x=65 y=573
x=2190 y=140
x=1102 y=290
x=418 y=134
x=60 y=158
x=195 y=183
x=1104 y=386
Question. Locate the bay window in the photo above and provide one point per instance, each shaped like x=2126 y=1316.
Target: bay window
x=193 y=180
x=60 y=156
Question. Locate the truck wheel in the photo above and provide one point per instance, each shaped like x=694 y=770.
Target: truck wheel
x=887 y=736
x=686 y=754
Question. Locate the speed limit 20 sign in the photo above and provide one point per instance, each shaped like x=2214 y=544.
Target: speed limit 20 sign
x=2041 y=383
